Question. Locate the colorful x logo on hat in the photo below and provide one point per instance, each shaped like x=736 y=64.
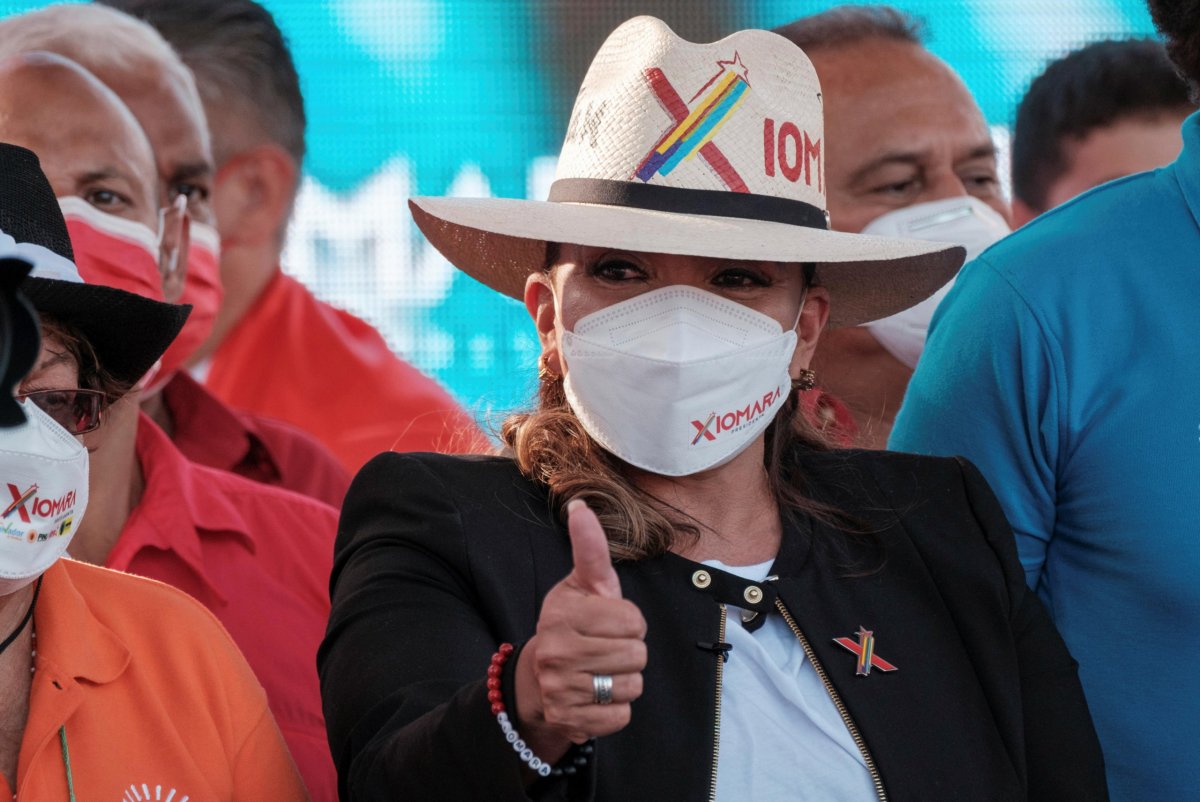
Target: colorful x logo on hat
x=865 y=649
x=691 y=125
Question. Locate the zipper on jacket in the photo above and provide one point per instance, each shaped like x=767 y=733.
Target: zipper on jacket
x=712 y=792
x=833 y=694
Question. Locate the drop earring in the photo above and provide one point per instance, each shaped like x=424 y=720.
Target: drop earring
x=807 y=380
x=544 y=372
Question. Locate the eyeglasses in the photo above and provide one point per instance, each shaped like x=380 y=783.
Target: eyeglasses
x=77 y=411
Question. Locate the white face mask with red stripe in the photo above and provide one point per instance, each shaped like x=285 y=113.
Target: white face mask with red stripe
x=122 y=253
x=43 y=495
x=677 y=380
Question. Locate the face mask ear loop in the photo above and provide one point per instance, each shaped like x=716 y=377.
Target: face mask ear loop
x=808 y=278
x=562 y=356
x=800 y=311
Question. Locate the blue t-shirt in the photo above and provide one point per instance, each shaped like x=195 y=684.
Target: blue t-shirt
x=1066 y=364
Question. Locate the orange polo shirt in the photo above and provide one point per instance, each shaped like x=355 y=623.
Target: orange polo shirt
x=300 y=360
x=155 y=700
x=262 y=449
x=259 y=559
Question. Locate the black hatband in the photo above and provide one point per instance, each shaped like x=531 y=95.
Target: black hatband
x=677 y=200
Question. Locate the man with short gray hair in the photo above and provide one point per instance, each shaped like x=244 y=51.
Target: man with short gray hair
x=251 y=92
x=132 y=59
x=907 y=153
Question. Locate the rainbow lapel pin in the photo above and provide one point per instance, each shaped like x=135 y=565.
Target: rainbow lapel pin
x=865 y=650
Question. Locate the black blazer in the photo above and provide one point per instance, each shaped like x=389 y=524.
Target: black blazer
x=439 y=559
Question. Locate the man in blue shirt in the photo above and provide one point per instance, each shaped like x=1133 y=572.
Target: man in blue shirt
x=1066 y=363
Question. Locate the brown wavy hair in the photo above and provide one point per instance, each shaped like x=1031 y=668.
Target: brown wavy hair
x=551 y=447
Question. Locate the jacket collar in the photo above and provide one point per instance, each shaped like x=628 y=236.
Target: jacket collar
x=794 y=550
x=181 y=502
x=70 y=636
x=1187 y=167
x=213 y=430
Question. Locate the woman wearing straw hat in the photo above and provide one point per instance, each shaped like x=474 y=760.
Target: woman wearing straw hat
x=669 y=588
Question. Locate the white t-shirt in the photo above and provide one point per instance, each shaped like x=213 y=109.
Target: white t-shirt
x=781 y=735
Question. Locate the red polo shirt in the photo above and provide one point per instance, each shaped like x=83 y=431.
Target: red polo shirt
x=256 y=556
x=154 y=699
x=300 y=360
x=262 y=449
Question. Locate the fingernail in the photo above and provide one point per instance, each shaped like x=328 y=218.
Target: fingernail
x=574 y=504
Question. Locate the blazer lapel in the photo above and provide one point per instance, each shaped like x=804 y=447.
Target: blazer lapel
x=893 y=710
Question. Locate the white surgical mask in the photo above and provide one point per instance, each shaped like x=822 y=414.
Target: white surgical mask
x=43 y=495
x=965 y=221
x=677 y=380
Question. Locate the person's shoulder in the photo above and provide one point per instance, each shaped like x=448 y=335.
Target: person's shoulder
x=282 y=435
x=349 y=340
x=469 y=476
x=179 y=654
x=944 y=507
x=902 y=479
x=477 y=510
x=293 y=448
x=251 y=496
x=180 y=626
x=285 y=526
x=1118 y=211
x=472 y=491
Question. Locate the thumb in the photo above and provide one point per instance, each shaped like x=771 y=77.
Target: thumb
x=594 y=571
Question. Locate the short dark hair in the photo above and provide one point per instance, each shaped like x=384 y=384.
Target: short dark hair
x=1089 y=88
x=239 y=56
x=1179 y=22
x=850 y=24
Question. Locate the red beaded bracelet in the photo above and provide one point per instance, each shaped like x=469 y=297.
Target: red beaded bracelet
x=535 y=763
x=495 y=696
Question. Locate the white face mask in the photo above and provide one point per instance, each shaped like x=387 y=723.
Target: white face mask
x=43 y=495
x=677 y=380
x=965 y=221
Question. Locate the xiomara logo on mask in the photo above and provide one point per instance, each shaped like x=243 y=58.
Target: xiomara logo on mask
x=27 y=501
x=720 y=422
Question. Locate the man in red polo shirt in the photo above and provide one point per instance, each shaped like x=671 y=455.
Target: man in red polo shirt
x=134 y=61
x=258 y=557
x=276 y=349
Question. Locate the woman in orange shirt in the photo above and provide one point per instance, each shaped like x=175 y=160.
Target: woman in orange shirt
x=111 y=686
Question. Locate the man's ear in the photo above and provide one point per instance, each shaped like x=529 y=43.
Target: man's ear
x=253 y=195
x=539 y=301
x=813 y=318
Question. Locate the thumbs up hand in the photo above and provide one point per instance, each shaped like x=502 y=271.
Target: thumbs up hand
x=585 y=630
x=594 y=574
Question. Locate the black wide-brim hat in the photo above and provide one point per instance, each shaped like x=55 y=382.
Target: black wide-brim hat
x=128 y=332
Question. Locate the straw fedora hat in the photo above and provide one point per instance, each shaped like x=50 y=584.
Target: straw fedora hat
x=698 y=149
